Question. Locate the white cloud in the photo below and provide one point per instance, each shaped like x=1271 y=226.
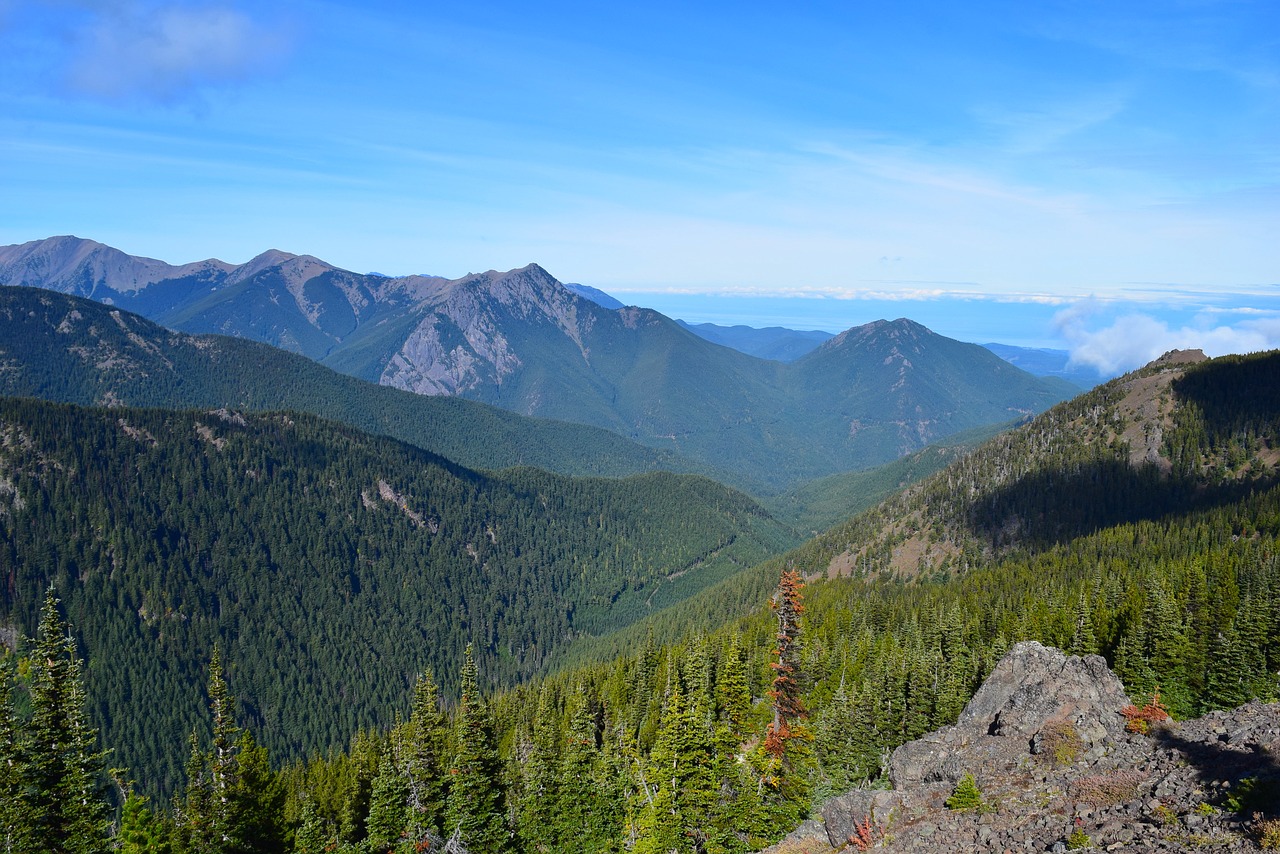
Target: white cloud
x=1135 y=339
x=163 y=53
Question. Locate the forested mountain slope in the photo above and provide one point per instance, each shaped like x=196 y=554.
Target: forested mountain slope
x=522 y=341
x=720 y=738
x=72 y=350
x=332 y=566
x=1181 y=435
x=672 y=740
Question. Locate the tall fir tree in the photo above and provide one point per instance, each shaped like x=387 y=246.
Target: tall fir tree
x=475 y=801
x=423 y=757
x=64 y=806
x=11 y=831
x=388 y=806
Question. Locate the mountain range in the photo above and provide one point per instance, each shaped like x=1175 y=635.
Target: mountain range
x=73 y=350
x=1137 y=520
x=786 y=345
x=523 y=342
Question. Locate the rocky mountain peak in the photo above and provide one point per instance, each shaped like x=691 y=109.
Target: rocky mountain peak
x=264 y=261
x=85 y=267
x=878 y=332
x=1181 y=357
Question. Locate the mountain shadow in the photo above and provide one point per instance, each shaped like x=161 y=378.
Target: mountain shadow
x=1235 y=394
x=1053 y=506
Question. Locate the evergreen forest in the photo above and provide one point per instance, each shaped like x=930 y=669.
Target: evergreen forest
x=1139 y=522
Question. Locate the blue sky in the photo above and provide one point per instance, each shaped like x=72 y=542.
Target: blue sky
x=1099 y=176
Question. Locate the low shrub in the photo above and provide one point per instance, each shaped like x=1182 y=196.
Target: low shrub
x=1140 y=718
x=966 y=795
x=1267 y=830
x=1060 y=742
x=1104 y=790
x=1079 y=840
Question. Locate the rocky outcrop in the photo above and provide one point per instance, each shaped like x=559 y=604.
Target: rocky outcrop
x=1031 y=688
x=1045 y=740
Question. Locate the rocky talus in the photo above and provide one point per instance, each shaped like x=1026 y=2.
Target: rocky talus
x=1046 y=742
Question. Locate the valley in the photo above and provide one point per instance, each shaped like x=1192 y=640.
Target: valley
x=485 y=556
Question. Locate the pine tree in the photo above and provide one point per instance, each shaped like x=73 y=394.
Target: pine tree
x=540 y=801
x=388 y=806
x=11 y=831
x=474 y=806
x=424 y=758
x=64 y=809
x=141 y=830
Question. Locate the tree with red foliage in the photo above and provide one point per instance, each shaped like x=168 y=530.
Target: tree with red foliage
x=785 y=730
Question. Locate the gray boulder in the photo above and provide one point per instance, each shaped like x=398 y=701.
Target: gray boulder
x=1032 y=686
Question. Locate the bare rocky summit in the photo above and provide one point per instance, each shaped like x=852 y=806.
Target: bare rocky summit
x=1046 y=742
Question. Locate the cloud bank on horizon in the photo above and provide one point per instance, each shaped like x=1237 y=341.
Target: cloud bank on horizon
x=997 y=170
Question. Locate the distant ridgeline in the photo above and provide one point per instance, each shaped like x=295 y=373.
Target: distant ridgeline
x=524 y=342
x=73 y=350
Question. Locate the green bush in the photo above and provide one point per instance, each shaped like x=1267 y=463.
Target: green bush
x=966 y=795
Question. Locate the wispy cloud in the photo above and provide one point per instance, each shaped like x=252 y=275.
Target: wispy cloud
x=165 y=53
x=1043 y=126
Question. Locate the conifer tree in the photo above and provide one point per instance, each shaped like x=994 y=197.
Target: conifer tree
x=64 y=809
x=474 y=806
x=845 y=740
x=424 y=758
x=256 y=802
x=590 y=799
x=540 y=800
x=785 y=693
x=141 y=830
x=310 y=837
x=733 y=696
x=10 y=770
x=366 y=756
x=1083 y=640
x=233 y=802
x=388 y=806
x=222 y=760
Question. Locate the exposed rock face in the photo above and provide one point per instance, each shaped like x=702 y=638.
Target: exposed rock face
x=1175 y=789
x=1030 y=687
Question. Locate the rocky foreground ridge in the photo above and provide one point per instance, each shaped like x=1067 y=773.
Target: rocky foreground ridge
x=1046 y=742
